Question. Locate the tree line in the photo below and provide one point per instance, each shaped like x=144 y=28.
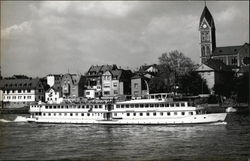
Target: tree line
x=177 y=73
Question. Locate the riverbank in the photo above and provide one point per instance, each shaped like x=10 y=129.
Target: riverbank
x=217 y=108
x=21 y=110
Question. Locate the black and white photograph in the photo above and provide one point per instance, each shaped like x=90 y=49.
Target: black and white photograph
x=125 y=80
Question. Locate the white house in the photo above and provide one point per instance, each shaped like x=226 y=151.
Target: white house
x=53 y=96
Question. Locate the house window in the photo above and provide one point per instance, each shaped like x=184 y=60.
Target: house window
x=233 y=61
x=106 y=93
x=115 y=85
x=136 y=86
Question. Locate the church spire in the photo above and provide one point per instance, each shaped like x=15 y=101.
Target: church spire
x=207 y=34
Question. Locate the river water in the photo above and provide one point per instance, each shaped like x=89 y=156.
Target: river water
x=29 y=141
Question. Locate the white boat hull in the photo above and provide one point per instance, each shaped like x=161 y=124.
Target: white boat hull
x=195 y=119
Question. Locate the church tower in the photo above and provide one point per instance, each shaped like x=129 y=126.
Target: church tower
x=207 y=34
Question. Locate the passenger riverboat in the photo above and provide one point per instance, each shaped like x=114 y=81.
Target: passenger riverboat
x=140 y=111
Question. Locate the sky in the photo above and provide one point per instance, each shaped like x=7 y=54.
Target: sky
x=56 y=37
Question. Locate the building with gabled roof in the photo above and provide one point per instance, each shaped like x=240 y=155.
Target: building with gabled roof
x=116 y=83
x=94 y=79
x=21 y=92
x=53 y=95
x=214 y=72
x=72 y=86
x=139 y=85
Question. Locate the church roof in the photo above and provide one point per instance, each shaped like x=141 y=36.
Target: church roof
x=208 y=16
x=226 y=50
x=217 y=65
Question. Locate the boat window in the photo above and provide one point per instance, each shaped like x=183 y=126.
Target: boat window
x=161 y=113
x=146 y=105
x=49 y=114
x=67 y=106
x=46 y=107
x=191 y=113
x=156 y=105
x=127 y=105
x=151 y=105
x=88 y=114
x=96 y=106
x=128 y=114
x=115 y=114
x=117 y=106
x=175 y=113
x=71 y=114
x=136 y=105
x=134 y=114
x=92 y=114
x=177 y=105
x=182 y=113
x=122 y=106
x=76 y=114
x=183 y=104
x=132 y=105
x=167 y=105
x=147 y=113
x=154 y=113
x=44 y=114
x=162 y=105
x=62 y=106
x=82 y=114
x=65 y=114
x=172 y=104
x=141 y=105
x=100 y=106
x=54 y=114
x=60 y=114
x=168 y=113
x=141 y=114
x=50 y=107
x=87 y=106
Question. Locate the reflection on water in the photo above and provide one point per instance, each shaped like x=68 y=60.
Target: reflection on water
x=20 y=140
